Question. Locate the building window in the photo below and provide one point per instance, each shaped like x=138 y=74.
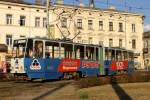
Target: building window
x=120 y=43
x=37 y=22
x=22 y=36
x=9 y=40
x=110 y=26
x=9 y=7
x=22 y=20
x=110 y=42
x=22 y=8
x=100 y=25
x=37 y=10
x=90 y=24
x=64 y=23
x=79 y=23
x=90 y=40
x=44 y=22
x=101 y=43
x=9 y=19
x=78 y=39
x=145 y=49
x=133 y=44
x=133 y=28
x=146 y=44
x=120 y=27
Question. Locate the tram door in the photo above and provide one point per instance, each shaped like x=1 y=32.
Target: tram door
x=108 y=55
x=36 y=68
x=131 y=62
x=101 y=60
x=52 y=59
x=38 y=54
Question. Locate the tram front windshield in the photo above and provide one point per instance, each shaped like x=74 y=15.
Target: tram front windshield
x=19 y=48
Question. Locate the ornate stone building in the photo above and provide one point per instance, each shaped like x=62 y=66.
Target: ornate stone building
x=109 y=27
x=146 y=50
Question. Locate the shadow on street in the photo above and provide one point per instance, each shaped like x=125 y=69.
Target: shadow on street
x=51 y=91
x=119 y=91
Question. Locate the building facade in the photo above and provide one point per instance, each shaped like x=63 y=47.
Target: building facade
x=146 y=50
x=108 y=27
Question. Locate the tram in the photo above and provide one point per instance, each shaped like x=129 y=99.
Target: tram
x=118 y=61
x=38 y=58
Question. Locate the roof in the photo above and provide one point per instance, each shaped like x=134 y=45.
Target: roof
x=68 y=5
x=61 y=41
x=16 y=1
x=146 y=34
x=100 y=9
x=118 y=48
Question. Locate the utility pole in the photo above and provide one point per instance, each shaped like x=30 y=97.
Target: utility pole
x=47 y=19
x=107 y=4
x=125 y=5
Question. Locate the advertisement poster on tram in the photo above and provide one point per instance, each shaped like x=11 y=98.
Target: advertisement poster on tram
x=119 y=65
x=69 y=65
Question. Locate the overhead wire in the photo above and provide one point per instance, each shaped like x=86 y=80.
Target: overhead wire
x=121 y=5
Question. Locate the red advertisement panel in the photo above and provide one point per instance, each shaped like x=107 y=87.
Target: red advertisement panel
x=119 y=65
x=69 y=65
x=90 y=64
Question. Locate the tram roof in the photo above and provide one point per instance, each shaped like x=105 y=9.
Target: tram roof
x=118 y=48
x=62 y=41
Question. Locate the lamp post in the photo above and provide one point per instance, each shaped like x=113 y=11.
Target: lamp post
x=47 y=19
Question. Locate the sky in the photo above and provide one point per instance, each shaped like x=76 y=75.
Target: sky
x=138 y=6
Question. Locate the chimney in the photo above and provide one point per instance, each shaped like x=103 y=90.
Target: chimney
x=91 y=4
x=38 y=2
x=81 y=3
x=59 y=1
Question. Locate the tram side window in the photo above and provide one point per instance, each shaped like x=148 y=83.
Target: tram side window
x=79 y=51
x=109 y=55
x=131 y=56
x=121 y=55
x=51 y=49
x=106 y=54
x=55 y=48
x=62 y=51
x=29 y=50
x=82 y=52
x=118 y=55
x=97 y=54
x=89 y=53
x=113 y=55
x=125 y=55
x=38 y=49
x=68 y=50
x=48 y=50
x=19 y=48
